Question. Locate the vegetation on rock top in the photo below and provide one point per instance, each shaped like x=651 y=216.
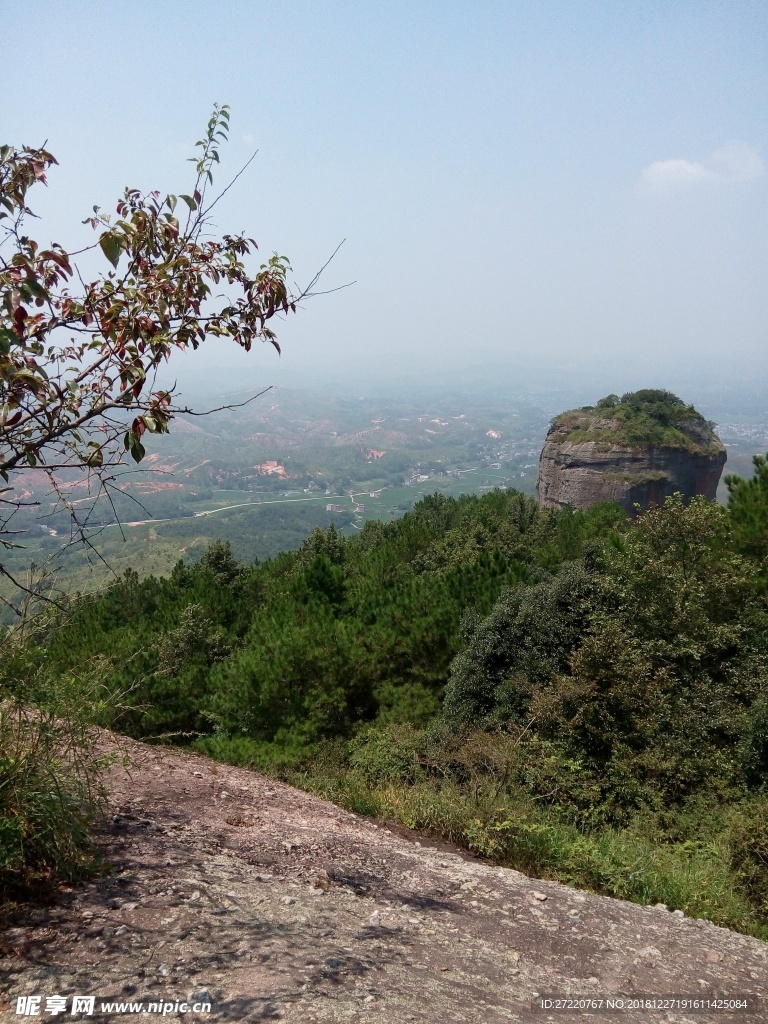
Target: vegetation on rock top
x=649 y=418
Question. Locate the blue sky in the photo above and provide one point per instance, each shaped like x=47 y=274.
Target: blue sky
x=547 y=183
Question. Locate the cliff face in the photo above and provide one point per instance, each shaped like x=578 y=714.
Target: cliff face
x=576 y=470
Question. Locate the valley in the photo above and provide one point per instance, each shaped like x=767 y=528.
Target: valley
x=264 y=475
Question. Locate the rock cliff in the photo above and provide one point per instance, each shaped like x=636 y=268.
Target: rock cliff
x=636 y=450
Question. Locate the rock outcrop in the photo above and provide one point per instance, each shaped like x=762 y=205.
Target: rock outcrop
x=228 y=898
x=620 y=451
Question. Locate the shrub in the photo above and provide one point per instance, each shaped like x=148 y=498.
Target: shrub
x=749 y=849
x=387 y=755
x=754 y=752
x=530 y=635
x=51 y=772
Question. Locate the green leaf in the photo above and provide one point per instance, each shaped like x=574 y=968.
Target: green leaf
x=35 y=289
x=189 y=201
x=7 y=338
x=134 y=446
x=171 y=201
x=111 y=247
x=96 y=458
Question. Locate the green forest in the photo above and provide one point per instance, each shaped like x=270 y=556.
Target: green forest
x=572 y=694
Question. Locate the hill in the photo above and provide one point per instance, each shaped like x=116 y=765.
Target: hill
x=571 y=694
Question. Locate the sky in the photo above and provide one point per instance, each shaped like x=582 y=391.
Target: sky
x=532 y=184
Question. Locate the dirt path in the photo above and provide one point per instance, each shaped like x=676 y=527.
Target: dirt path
x=273 y=905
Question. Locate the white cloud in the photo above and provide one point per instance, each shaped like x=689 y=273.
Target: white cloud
x=736 y=161
x=665 y=174
x=733 y=162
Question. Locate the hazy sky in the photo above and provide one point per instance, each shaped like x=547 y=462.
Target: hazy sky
x=518 y=182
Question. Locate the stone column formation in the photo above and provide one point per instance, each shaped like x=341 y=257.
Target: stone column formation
x=584 y=473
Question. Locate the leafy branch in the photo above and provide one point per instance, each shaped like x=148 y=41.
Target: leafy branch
x=79 y=359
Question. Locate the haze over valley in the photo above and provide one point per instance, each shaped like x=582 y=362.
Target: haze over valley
x=264 y=475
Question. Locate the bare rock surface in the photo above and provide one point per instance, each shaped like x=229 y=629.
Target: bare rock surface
x=225 y=887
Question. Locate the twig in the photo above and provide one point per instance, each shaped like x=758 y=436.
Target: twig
x=235 y=405
x=223 y=192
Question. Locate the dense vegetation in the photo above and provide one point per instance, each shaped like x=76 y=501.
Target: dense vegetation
x=566 y=692
x=639 y=419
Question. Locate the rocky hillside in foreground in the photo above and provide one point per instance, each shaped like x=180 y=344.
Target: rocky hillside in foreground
x=634 y=450
x=226 y=888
